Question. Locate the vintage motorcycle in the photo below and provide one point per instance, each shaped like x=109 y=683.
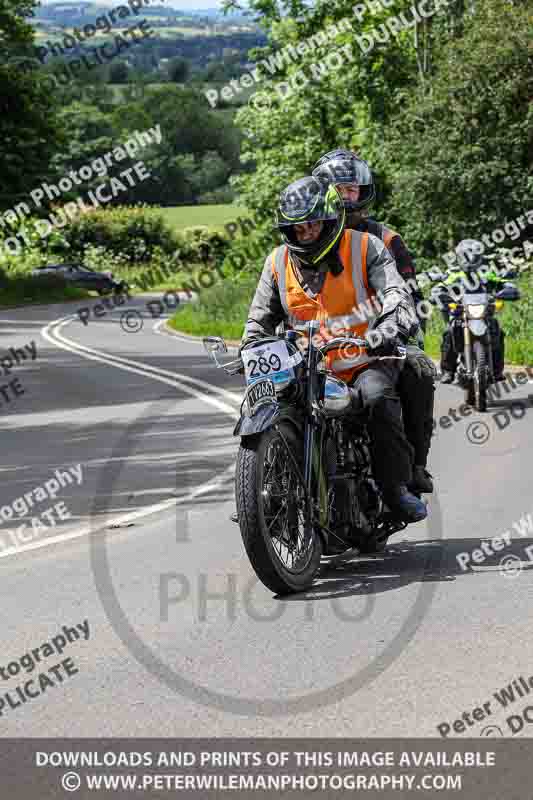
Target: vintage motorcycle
x=304 y=486
x=471 y=321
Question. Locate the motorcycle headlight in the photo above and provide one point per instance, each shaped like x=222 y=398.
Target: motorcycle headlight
x=476 y=311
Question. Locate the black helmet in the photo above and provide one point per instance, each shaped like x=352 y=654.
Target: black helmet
x=346 y=167
x=310 y=200
x=470 y=254
x=339 y=152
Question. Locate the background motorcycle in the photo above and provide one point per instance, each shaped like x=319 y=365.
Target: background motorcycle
x=304 y=486
x=471 y=319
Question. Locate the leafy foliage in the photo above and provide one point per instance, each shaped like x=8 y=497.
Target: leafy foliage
x=442 y=112
x=479 y=112
x=29 y=127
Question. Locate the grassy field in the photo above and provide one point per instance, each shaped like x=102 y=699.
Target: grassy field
x=216 y=217
x=165 y=31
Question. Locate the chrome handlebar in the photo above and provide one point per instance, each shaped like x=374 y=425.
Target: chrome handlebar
x=215 y=344
x=346 y=341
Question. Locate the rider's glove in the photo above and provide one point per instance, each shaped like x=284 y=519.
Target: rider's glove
x=381 y=343
x=420 y=363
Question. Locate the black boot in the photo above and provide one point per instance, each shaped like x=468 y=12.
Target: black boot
x=421 y=482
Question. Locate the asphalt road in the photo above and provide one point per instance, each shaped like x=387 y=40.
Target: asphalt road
x=182 y=640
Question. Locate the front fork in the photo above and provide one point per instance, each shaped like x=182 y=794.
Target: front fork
x=468 y=351
x=309 y=438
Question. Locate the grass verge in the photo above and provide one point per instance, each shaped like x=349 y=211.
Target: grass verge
x=23 y=291
x=220 y=311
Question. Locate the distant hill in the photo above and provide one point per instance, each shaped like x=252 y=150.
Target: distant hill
x=68 y=14
x=186 y=7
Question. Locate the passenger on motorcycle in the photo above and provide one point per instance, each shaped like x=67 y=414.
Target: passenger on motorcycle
x=416 y=386
x=323 y=271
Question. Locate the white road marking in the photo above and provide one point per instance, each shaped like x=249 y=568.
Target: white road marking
x=76 y=347
x=53 y=335
x=236 y=397
x=182 y=338
x=50 y=333
x=123 y=519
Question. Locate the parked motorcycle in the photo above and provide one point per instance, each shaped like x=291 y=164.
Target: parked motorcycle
x=304 y=485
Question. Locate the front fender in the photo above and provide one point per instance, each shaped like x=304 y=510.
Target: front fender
x=265 y=417
x=268 y=415
x=478 y=327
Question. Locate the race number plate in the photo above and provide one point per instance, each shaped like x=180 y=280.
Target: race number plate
x=270 y=360
x=260 y=392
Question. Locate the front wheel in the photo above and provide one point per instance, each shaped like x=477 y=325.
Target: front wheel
x=481 y=376
x=272 y=513
x=470 y=393
x=469 y=383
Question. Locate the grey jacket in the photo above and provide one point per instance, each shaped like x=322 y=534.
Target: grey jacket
x=266 y=310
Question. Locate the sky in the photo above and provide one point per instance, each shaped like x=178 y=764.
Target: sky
x=181 y=5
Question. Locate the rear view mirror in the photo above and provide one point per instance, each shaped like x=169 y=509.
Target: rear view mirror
x=508 y=293
x=214 y=344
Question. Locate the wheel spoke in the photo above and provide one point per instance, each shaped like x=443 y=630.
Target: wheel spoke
x=284 y=508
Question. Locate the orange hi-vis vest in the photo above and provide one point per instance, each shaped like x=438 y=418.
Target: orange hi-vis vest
x=341 y=295
x=387 y=235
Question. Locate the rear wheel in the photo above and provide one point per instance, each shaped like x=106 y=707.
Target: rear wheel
x=272 y=511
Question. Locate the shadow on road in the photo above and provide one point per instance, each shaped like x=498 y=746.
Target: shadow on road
x=413 y=562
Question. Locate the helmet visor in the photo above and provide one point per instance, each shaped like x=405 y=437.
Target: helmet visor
x=345 y=170
x=308 y=201
x=469 y=254
x=338 y=153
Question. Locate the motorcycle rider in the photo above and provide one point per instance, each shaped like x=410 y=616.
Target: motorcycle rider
x=355 y=183
x=474 y=275
x=321 y=272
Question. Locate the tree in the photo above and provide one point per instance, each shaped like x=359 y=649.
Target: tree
x=91 y=134
x=478 y=109
x=441 y=110
x=30 y=131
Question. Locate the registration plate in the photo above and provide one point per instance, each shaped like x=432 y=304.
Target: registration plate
x=261 y=392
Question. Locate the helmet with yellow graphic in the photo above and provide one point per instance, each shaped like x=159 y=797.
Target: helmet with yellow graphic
x=310 y=217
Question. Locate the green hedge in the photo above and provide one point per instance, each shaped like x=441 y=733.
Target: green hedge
x=135 y=243
x=132 y=232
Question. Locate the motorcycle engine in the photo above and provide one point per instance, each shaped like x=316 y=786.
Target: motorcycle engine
x=355 y=498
